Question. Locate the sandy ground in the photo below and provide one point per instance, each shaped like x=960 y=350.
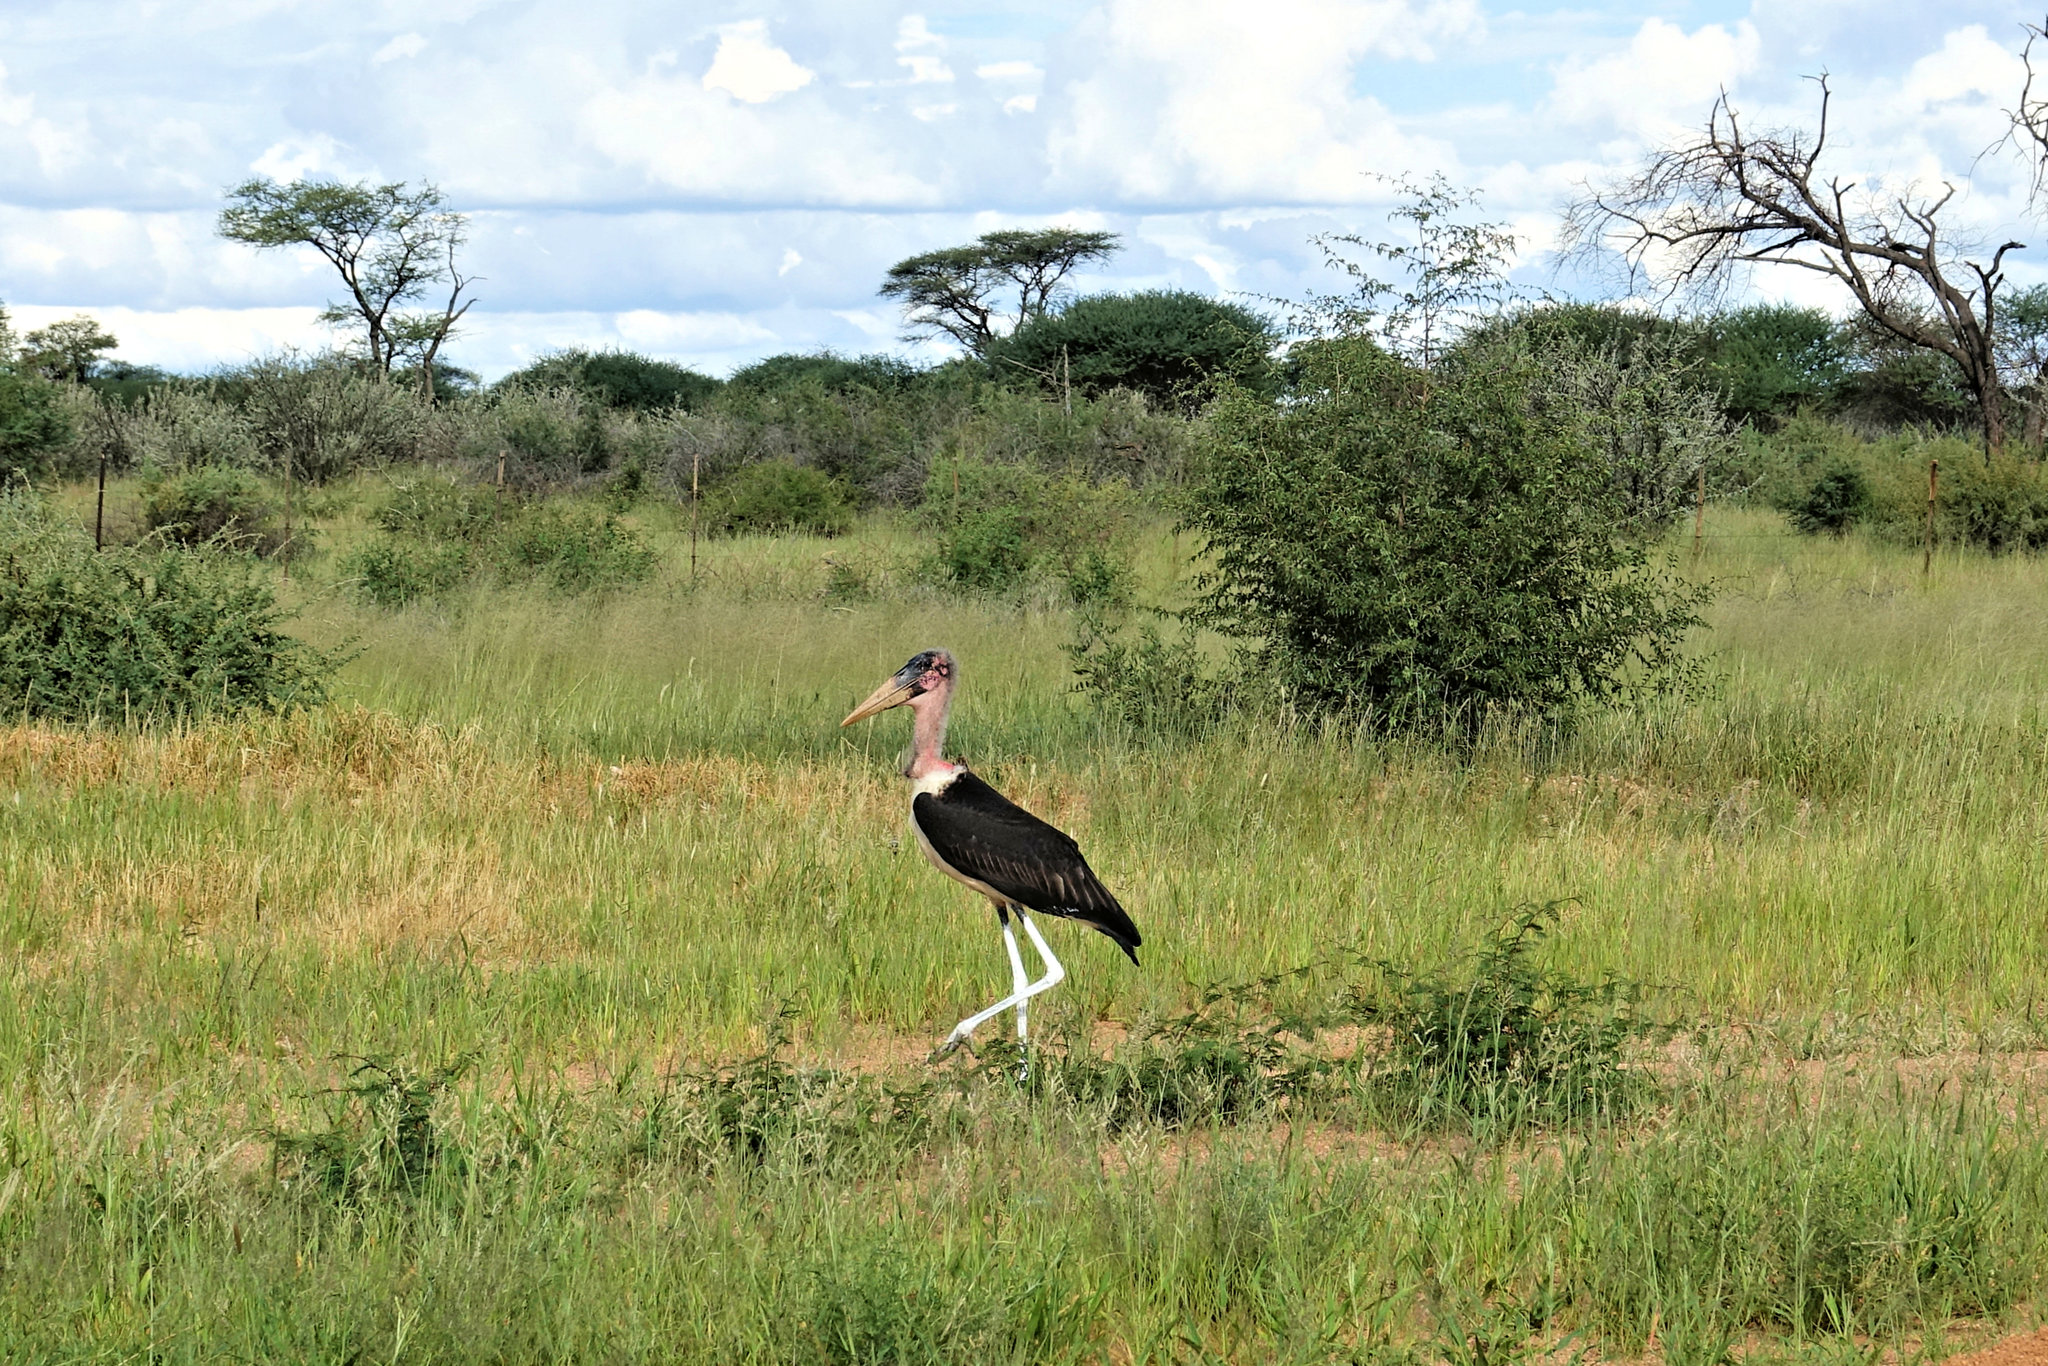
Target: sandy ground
x=2028 y=1349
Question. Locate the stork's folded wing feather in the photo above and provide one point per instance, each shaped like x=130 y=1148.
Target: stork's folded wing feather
x=990 y=838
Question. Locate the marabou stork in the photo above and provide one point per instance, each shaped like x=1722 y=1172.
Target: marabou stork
x=978 y=837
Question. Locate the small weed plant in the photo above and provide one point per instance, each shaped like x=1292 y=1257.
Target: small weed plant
x=382 y=1136
x=1508 y=1043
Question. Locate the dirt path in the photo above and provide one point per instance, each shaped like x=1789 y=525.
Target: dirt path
x=2028 y=1349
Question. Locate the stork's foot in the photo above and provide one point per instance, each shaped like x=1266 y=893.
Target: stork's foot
x=952 y=1044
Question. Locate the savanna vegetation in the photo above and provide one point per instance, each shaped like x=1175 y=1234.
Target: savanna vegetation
x=1590 y=850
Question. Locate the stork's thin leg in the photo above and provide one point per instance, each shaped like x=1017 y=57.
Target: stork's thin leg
x=1054 y=975
x=966 y=1027
x=1018 y=981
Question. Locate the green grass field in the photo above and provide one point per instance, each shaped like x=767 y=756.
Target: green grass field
x=576 y=850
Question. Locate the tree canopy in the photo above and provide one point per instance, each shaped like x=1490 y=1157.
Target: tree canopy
x=391 y=244
x=68 y=350
x=995 y=284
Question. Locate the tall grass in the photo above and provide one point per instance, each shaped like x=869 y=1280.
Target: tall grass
x=552 y=864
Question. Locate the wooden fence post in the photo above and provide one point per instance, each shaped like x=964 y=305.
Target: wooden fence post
x=1699 y=517
x=1933 y=485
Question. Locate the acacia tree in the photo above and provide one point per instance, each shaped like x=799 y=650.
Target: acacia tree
x=68 y=350
x=1726 y=199
x=390 y=244
x=958 y=292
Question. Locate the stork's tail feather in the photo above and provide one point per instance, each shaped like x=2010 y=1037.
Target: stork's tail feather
x=1118 y=927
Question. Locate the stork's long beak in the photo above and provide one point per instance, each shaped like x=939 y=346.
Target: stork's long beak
x=893 y=693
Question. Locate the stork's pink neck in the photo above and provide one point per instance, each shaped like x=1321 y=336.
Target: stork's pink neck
x=928 y=733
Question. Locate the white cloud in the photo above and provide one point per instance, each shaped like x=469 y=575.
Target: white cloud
x=698 y=192
x=192 y=339
x=1661 y=80
x=1968 y=64
x=1011 y=71
x=1219 y=100
x=298 y=158
x=704 y=146
x=404 y=45
x=749 y=67
x=14 y=109
x=1665 y=77
x=918 y=49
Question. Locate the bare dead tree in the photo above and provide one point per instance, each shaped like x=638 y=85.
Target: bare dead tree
x=418 y=337
x=1704 y=209
x=2030 y=119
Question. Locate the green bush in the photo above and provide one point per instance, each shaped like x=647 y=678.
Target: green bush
x=574 y=551
x=441 y=509
x=1431 y=549
x=1144 y=680
x=213 y=503
x=549 y=433
x=139 y=631
x=1838 y=500
x=1508 y=1042
x=778 y=496
x=995 y=526
x=616 y=379
x=392 y=571
x=439 y=533
x=985 y=549
x=828 y=373
x=177 y=429
x=1771 y=360
x=1169 y=344
x=1997 y=505
x=321 y=419
x=32 y=424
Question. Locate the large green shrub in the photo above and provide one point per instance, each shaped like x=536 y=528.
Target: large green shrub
x=437 y=534
x=1430 y=547
x=827 y=372
x=1640 y=403
x=777 y=495
x=549 y=435
x=572 y=550
x=1838 y=500
x=1996 y=505
x=318 y=420
x=993 y=526
x=1771 y=360
x=616 y=379
x=176 y=428
x=439 y=508
x=392 y=571
x=32 y=424
x=138 y=631
x=213 y=503
x=1169 y=344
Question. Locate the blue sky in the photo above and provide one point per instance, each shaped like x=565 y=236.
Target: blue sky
x=718 y=182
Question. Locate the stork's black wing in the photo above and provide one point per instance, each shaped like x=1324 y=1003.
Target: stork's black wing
x=985 y=835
